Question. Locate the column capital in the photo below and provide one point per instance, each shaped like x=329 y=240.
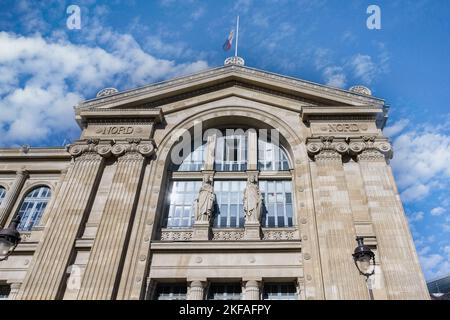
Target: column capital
x=23 y=172
x=110 y=148
x=327 y=148
x=368 y=148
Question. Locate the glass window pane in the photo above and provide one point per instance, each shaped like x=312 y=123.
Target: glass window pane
x=2 y=194
x=271 y=157
x=231 y=151
x=193 y=161
x=277 y=204
x=229 y=196
x=275 y=291
x=171 y=292
x=5 y=290
x=33 y=207
x=225 y=292
x=181 y=211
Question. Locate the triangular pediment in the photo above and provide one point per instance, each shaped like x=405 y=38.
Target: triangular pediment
x=241 y=79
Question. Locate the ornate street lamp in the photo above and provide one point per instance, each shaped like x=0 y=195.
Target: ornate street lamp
x=364 y=259
x=9 y=238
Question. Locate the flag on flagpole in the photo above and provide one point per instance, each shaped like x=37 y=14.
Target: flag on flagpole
x=229 y=42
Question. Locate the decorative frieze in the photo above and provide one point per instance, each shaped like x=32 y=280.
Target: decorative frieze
x=230 y=235
x=283 y=234
x=176 y=235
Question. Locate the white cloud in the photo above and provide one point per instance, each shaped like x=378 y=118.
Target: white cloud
x=364 y=68
x=396 y=128
x=438 y=211
x=334 y=76
x=416 y=216
x=415 y=192
x=43 y=79
x=421 y=159
x=431 y=261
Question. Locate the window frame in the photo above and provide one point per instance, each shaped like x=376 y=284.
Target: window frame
x=224 y=171
x=209 y=294
x=294 y=296
x=31 y=213
x=172 y=293
x=4 y=296
x=3 y=192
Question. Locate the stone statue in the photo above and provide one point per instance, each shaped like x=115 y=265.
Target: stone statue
x=252 y=201
x=204 y=204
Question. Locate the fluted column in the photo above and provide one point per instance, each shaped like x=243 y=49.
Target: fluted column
x=44 y=279
x=106 y=259
x=334 y=221
x=14 y=290
x=398 y=258
x=11 y=196
x=196 y=290
x=252 y=291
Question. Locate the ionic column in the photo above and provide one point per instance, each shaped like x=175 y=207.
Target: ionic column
x=398 y=258
x=252 y=291
x=105 y=261
x=197 y=290
x=46 y=274
x=11 y=196
x=334 y=221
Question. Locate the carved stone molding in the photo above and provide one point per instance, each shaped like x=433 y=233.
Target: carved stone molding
x=176 y=235
x=367 y=148
x=327 y=148
x=130 y=149
x=280 y=234
x=230 y=235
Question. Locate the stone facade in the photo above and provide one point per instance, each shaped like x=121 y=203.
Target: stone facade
x=102 y=234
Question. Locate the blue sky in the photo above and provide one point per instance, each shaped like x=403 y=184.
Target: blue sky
x=45 y=69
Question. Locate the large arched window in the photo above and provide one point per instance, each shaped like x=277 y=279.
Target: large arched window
x=33 y=207
x=231 y=151
x=231 y=160
x=2 y=194
x=271 y=157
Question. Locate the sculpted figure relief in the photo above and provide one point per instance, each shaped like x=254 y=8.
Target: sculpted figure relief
x=252 y=201
x=204 y=204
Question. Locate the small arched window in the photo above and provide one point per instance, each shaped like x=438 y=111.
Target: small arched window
x=2 y=194
x=33 y=207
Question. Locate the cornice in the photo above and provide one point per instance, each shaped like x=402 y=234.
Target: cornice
x=34 y=153
x=167 y=88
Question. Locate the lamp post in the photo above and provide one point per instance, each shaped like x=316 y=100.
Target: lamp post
x=364 y=258
x=9 y=238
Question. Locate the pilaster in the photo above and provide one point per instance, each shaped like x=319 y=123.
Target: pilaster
x=334 y=220
x=106 y=258
x=399 y=263
x=11 y=196
x=47 y=272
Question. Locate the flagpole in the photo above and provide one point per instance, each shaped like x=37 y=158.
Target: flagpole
x=237 y=37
